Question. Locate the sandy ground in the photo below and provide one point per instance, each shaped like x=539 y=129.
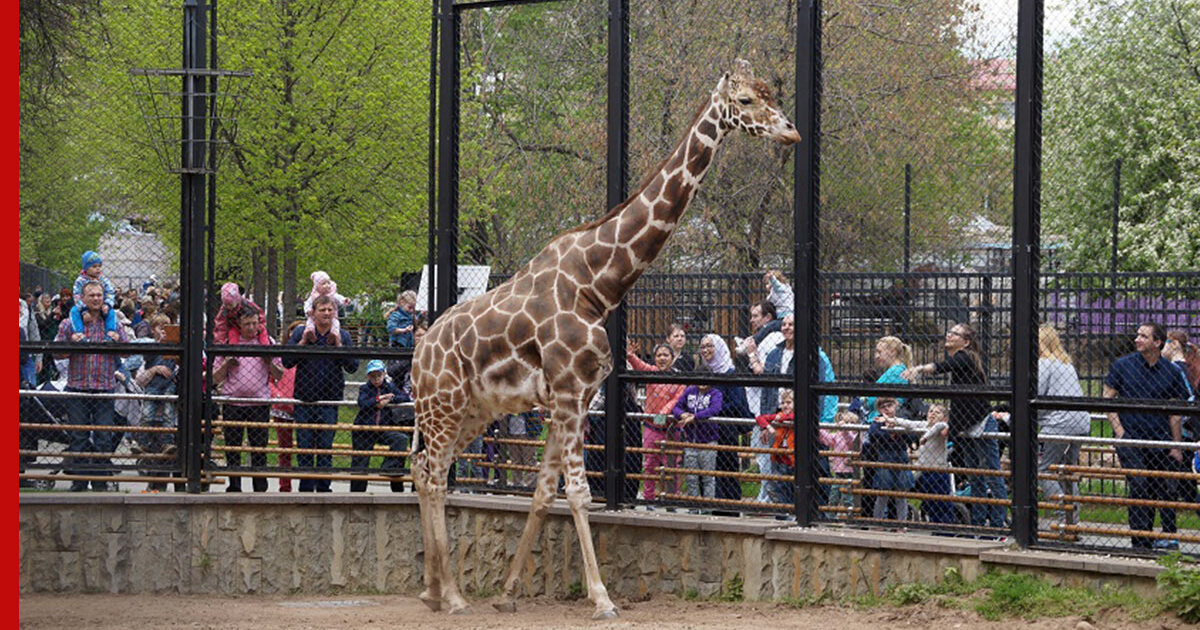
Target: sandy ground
x=103 y=612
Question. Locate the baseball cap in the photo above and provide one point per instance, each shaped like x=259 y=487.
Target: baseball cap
x=375 y=365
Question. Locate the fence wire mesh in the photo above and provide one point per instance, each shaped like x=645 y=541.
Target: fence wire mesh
x=328 y=172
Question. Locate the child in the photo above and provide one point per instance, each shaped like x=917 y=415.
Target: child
x=842 y=441
x=93 y=270
x=931 y=453
x=892 y=448
x=225 y=325
x=779 y=428
x=692 y=410
x=323 y=285
x=779 y=293
x=281 y=413
x=157 y=376
x=376 y=408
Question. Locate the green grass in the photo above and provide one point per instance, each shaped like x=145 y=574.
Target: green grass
x=999 y=595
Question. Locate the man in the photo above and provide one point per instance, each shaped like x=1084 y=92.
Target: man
x=318 y=378
x=91 y=374
x=247 y=377
x=761 y=315
x=1144 y=375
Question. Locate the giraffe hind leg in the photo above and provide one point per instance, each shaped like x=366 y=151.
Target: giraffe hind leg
x=431 y=596
x=543 y=497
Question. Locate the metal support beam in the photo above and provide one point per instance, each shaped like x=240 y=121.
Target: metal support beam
x=806 y=223
x=193 y=185
x=1026 y=273
x=447 y=218
x=617 y=186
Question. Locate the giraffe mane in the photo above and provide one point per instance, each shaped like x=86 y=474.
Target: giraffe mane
x=645 y=180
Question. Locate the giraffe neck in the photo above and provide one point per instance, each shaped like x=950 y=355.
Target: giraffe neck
x=639 y=230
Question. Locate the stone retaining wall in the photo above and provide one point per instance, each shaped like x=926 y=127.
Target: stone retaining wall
x=370 y=543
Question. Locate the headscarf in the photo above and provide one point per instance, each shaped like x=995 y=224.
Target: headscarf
x=721 y=362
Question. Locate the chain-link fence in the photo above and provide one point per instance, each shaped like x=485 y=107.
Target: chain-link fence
x=918 y=299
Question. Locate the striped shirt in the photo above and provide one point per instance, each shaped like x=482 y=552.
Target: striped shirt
x=92 y=372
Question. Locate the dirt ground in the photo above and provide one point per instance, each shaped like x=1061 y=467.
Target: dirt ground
x=104 y=612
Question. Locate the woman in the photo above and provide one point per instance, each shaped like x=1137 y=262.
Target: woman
x=660 y=401
x=714 y=352
x=782 y=360
x=964 y=364
x=1057 y=377
x=893 y=357
x=677 y=339
x=47 y=328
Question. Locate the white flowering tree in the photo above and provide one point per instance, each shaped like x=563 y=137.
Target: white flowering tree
x=1125 y=86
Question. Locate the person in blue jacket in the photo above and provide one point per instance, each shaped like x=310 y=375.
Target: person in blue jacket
x=378 y=401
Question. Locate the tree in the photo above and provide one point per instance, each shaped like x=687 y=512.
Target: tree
x=1126 y=86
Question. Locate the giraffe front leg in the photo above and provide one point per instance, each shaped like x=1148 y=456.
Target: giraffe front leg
x=579 y=497
x=543 y=497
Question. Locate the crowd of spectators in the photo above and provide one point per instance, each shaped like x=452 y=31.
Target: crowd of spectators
x=894 y=446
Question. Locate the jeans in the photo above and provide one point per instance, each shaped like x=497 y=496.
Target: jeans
x=984 y=454
x=90 y=411
x=936 y=511
x=701 y=459
x=365 y=441
x=254 y=436
x=1156 y=489
x=896 y=480
x=315 y=439
x=764 y=462
x=1053 y=454
x=782 y=491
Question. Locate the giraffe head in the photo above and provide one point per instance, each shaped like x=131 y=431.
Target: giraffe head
x=750 y=106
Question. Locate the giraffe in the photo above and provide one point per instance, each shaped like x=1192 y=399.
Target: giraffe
x=539 y=340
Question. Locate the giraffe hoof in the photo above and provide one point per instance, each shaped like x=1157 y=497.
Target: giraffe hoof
x=434 y=603
x=505 y=606
x=610 y=613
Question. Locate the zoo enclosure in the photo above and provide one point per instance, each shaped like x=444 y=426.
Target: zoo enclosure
x=1013 y=298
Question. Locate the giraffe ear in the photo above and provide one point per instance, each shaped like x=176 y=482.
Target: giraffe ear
x=742 y=72
x=723 y=86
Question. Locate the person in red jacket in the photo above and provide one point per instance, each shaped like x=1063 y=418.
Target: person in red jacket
x=780 y=429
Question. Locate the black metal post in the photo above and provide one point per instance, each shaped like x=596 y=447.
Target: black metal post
x=806 y=202
x=617 y=185
x=192 y=204
x=1116 y=216
x=210 y=305
x=1026 y=241
x=907 y=217
x=431 y=189
x=447 y=198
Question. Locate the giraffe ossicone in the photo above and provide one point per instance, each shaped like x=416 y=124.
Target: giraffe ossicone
x=539 y=340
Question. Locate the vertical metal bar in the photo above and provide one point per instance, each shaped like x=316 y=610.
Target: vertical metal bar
x=431 y=252
x=806 y=201
x=907 y=217
x=1026 y=241
x=1116 y=214
x=210 y=305
x=617 y=189
x=192 y=190
x=447 y=201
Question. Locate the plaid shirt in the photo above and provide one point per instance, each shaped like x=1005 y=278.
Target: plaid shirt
x=93 y=372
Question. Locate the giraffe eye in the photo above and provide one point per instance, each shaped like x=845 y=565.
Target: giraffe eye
x=744 y=100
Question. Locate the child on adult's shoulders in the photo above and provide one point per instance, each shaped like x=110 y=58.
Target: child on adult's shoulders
x=93 y=271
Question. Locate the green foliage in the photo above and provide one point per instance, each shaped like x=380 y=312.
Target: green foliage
x=1125 y=87
x=691 y=594
x=575 y=590
x=1180 y=585
x=732 y=589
